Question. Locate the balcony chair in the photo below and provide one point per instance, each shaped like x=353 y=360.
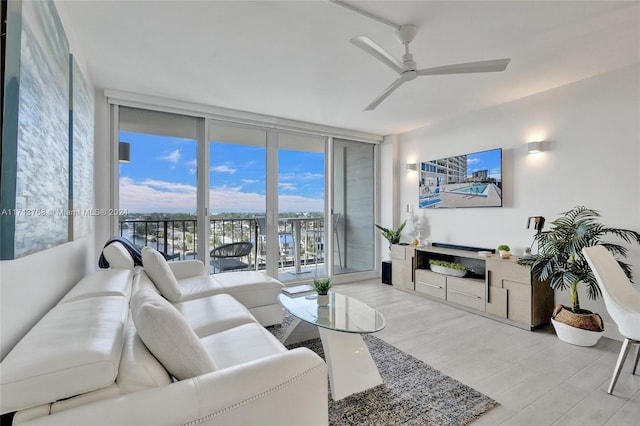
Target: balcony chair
x=622 y=302
x=228 y=257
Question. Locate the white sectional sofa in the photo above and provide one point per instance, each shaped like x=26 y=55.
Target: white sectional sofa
x=86 y=362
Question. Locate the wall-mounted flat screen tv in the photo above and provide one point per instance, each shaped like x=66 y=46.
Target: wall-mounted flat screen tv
x=469 y=180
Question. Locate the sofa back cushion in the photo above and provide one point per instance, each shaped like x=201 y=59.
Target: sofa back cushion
x=168 y=336
x=118 y=256
x=75 y=348
x=158 y=270
x=105 y=282
x=139 y=370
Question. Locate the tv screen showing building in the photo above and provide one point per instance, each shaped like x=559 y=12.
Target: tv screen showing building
x=469 y=180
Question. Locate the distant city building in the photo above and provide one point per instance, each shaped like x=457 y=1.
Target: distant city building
x=480 y=175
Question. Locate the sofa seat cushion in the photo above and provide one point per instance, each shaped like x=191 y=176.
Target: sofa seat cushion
x=242 y=344
x=251 y=288
x=75 y=348
x=168 y=336
x=213 y=314
x=198 y=287
x=85 y=398
x=108 y=282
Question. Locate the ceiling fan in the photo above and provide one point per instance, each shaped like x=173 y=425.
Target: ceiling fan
x=407 y=68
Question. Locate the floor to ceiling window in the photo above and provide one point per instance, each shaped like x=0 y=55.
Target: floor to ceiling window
x=192 y=186
x=158 y=181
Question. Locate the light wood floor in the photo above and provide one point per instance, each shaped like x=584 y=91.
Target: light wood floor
x=537 y=379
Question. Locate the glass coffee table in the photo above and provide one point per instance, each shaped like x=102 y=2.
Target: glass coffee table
x=339 y=325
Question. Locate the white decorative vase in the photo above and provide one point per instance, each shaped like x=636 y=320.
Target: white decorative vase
x=323 y=300
x=576 y=336
x=505 y=254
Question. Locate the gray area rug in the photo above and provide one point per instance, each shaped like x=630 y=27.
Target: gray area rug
x=412 y=394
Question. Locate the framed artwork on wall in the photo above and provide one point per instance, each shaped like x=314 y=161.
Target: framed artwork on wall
x=35 y=132
x=81 y=153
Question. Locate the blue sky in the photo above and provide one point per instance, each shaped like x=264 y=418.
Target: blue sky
x=161 y=177
x=485 y=160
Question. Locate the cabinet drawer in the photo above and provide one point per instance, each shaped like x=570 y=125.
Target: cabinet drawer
x=513 y=272
x=466 y=292
x=431 y=284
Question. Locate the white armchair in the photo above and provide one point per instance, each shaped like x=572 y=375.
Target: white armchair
x=622 y=302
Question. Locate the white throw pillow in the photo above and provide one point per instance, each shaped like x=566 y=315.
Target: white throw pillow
x=158 y=270
x=118 y=256
x=168 y=336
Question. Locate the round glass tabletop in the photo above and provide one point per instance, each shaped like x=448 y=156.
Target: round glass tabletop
x=344 y=313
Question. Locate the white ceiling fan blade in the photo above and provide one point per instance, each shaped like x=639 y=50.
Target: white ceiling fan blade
x=493 y=65
x=369 y=46
x=382 y=96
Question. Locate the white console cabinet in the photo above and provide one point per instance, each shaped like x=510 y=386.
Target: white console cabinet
x=497 y=288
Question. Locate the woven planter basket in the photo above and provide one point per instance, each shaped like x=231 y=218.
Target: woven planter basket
x=585 y=320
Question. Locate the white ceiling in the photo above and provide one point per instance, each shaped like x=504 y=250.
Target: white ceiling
x=293 y=59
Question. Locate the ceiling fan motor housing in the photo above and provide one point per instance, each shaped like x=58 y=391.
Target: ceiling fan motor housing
x=407 y=33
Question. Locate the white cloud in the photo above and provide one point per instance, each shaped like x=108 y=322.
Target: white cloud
x=152 y=195
x=223 y=168
x=284 y=186
x=156 y=196
x=164 y=186
x=173 y=156
x=473 y=160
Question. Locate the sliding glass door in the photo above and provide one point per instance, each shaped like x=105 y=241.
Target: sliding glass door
x=191 y=186
x=301 y=207
x=237 y=195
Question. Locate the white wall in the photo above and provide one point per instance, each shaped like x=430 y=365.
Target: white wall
x=102 y=173
x=592 y=158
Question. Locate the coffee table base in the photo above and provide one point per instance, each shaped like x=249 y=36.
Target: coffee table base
x=351 y=368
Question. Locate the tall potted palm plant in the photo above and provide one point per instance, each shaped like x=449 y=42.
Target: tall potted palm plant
x=561 y=263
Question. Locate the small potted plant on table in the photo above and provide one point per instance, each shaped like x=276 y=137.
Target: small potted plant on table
x=322 y=286
x=505 y=251
x=561 y=262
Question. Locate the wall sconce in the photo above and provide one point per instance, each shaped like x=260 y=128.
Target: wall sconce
x=534 y=147
x=124 y=152
x=411 y=167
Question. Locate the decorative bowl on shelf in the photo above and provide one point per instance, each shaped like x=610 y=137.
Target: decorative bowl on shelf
x=448 y=271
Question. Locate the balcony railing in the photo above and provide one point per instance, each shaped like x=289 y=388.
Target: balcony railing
x=178 y=238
